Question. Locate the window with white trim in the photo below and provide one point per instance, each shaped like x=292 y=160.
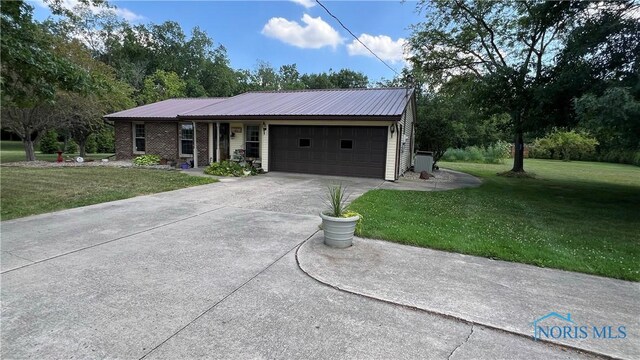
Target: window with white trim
x=252 y=143
x=139 y=144
x=186 y=139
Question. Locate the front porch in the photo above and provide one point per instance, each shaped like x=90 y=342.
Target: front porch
x=205 y=142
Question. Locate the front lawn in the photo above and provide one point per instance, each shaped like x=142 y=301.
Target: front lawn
x=12 y=151
x=30 y=191
x=576 y=216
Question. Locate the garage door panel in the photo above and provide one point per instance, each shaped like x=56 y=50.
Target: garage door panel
x=367 y=156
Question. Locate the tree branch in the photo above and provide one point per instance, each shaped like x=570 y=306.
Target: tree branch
x=486 y=26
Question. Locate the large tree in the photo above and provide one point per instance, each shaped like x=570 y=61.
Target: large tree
x=31 y=73
x=80 y=114
x=162 y=85
x=510 y=47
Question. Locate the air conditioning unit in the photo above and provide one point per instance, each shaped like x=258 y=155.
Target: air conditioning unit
x=424 y=162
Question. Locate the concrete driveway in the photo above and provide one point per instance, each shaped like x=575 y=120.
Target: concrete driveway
x=208 y=272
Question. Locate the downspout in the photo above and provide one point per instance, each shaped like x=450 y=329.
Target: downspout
x=210 y=142
x=195 y=146
x=398 y=144
x=217 y=141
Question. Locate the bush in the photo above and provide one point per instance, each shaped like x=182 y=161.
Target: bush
x=493 y=154
x=91 y=146
x=105 y=140
x=146 y=160
x=72 y=147
x=229 y=168
x=49 y=143
x=496 y=153
x=564 y=145
x=620 y=156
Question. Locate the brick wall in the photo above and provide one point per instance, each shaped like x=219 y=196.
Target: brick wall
x=123 y=140
x=162 y=139
x=202 y=143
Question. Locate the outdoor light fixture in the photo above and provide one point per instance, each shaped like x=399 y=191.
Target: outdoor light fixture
x=264 y=128
x=392 y=129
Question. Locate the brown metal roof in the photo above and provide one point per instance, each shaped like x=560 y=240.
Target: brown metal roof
x=167 y=109
x=380 y=103
x=371 y=103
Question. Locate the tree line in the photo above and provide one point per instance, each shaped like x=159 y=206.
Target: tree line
x=484 y=71
x=517 y=71
x=65 y=73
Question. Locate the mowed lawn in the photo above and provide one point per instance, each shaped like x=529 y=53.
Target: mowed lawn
x=576 y=216
x=12 y=151
x=30 y=191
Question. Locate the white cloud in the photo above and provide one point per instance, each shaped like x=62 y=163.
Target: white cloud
x=128 y=14
x=385 y=47
x=306 y=3
x=313 y=35
x=75 y=4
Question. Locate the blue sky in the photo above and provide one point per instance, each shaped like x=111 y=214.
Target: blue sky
x=285 y=32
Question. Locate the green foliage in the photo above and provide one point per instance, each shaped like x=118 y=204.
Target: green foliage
x=71 y=148
x=492 y=154
x=343 y=79
x=613 y=118
x=30 y=191
x=229 y=168
x=146 y=160
x=564 y=145
x=453 y=118
x=13 y=151
x=49 y=142
x=496 y=153
x=336 y=199
x=528 y=59
x=578 y=216
x=91 y=145
x=162 y=85
x=359 y=225
x=620 y=156
x=32 y=70
x=105 y=140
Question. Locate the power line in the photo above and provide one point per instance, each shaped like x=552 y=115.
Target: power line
x=355 y=37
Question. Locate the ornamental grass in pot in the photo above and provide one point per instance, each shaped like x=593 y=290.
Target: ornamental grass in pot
x=338 y=223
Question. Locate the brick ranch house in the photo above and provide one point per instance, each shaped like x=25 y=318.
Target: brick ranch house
x=347 y=132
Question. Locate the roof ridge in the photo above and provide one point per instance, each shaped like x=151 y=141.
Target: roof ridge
x=198 y=98
x=333 y=89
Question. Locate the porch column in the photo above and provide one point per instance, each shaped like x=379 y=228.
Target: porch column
x=195 y=147
x=210 y=142
x=217 y=141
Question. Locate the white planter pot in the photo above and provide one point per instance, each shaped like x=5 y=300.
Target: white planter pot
x=338 y=231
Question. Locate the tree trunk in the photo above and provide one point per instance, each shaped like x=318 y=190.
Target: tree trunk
x=29 y=148
x=518 y=153
x=82 y=145
x=65 y=143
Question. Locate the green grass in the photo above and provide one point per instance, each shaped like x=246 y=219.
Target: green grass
x=12 y=151
x=30 y=191
x=577 y=216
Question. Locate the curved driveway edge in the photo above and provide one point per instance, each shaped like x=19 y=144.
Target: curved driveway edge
x=497 y=294
x=444 y=179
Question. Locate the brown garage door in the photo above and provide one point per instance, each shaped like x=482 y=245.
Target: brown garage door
x=328 y=150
